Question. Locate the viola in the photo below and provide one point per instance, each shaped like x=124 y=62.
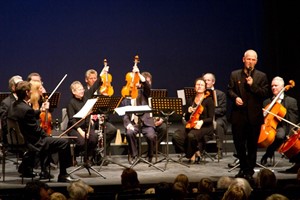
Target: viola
x=273 y=114
x=46 y=120
x=132 y=79
x=197 y=112
x=106 y=88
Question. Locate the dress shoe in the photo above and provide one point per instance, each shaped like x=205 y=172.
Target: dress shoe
x=235 y=163
x=46 y=175
x=66 y=178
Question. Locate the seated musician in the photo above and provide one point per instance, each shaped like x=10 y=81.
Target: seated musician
x=80 y=130
x=91 y=77
x=131 y=123
x=199 y=127
x=36 y=136
x=160 y=124
x=34 y=76
x=283 y=128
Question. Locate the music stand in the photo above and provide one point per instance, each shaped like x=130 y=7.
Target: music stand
x=106 y=105
x=189 y=92
x=3 y=95
x=86 y=111
x=138 y=111
x=167 y=107
x=54 y=100
x=158 y=93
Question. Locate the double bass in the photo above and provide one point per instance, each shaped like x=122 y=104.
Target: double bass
x=106 y=88
x=196 y=113
x=132 y=79
x=273 y=114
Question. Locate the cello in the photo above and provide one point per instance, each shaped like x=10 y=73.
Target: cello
x=196 y=113
x=106 y=88
x=268 y=128
x=132 y=79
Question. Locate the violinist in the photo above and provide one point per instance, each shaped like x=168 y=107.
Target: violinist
x=283 y=128
x=80 y=97
x=34 y=76
x=247 y=88
x=130 y=122
x=91 y=76
x=201 y=129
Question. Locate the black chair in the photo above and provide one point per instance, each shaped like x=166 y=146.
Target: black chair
x=17 y=145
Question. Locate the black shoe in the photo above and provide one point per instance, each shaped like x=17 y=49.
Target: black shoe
x=46 y=175
x=235 y=163
x=66 y=178
x=293 y=170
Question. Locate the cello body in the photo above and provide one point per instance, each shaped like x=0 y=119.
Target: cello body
x=268 y=129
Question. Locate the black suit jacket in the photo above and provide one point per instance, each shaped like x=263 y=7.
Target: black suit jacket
x=252 y=96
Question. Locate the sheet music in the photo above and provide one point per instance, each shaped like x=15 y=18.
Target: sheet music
x=180 y=94
x=84 y=111
x=122 y=110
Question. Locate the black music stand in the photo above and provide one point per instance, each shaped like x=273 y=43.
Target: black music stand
x=158 y=93
x=189 y=92
x=54 y=100
x=139 y=113
x=86 y=164
x=167 y=107
x=106 y=105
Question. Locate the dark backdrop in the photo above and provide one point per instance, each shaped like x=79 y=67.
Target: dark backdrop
x=176 y=40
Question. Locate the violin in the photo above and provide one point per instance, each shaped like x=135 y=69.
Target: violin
x=196 y=113
x=46 y=120
x=273 y=114
x=106 y=88
x=132 y=79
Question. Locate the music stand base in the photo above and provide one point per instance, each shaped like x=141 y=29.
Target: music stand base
x=88 y=167
x=168 y=159
x=105 y=159
x=231 y=169
x=139 y=159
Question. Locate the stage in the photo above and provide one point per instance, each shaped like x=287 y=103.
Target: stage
x=107 y=184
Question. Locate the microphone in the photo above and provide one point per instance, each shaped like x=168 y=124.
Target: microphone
x=249 y=70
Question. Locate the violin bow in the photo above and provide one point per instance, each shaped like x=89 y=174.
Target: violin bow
x=57 y=86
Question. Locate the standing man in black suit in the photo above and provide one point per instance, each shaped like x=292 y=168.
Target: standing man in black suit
x=33 y=134
x=283 y=128
x=247 y=88
x=220 y=121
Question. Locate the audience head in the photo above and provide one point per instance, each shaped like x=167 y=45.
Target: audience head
x=179 y=190
x=266 y=179
x=163 y=190
x=206 y=185
x=36 y=190
x=57 y=196
x=79 y=190
x=224 y=182
x=203 y=196
x=235 y=192
x=277 y=197
x=244 y=184
x=90 y=77
x=182 y=178
x=13 y=82
x=129 y=179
